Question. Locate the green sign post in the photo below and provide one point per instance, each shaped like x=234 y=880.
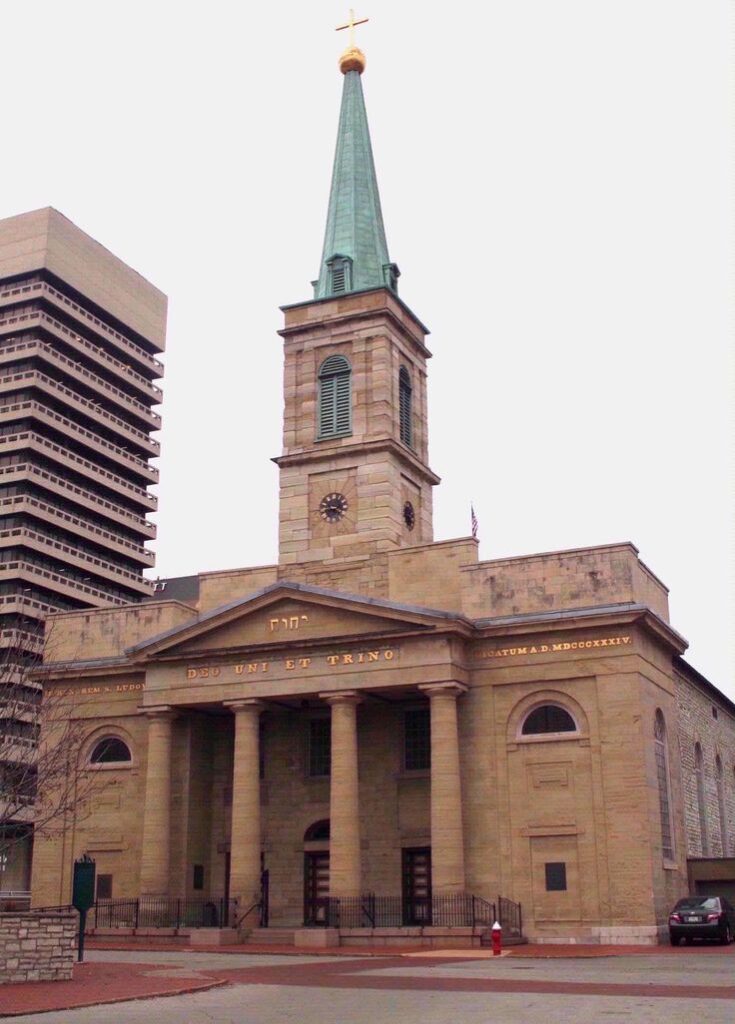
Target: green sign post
x=83 y=895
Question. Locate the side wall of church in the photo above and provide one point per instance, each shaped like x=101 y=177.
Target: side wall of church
x=588 y=801
x=658 y=693
x=709 y=721
x=108 y=820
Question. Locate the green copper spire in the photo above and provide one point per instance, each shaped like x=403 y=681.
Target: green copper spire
x=355 y=255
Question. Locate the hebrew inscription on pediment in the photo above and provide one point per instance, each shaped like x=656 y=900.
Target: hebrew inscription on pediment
x=285 y=622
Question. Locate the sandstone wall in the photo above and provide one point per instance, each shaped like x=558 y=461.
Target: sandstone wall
x=707 y=719
x=108 y=632
x=561 y=580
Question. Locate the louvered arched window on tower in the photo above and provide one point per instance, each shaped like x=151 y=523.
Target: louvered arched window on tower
x=335 y=398
x=404 y=407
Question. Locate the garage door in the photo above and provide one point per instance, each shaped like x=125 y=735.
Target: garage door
x=716 y=888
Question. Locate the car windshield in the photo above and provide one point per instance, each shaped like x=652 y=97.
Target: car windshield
x=699 y=903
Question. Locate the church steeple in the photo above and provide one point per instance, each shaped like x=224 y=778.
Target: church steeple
x=354 y=475
x=355 y=253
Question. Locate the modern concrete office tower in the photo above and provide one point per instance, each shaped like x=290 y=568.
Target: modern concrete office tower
x=79 y=334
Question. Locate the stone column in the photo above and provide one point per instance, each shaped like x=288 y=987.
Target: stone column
x=245 y=837
x=344 y=810
x=447 y=839
x=156 y=851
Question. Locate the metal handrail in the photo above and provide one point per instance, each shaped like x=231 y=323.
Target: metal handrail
x=258 y=905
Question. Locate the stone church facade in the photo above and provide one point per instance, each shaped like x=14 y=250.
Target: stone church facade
x=381 y=715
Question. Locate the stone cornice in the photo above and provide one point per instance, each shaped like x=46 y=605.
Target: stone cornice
x=362 y=314
x=583 y=618
x=362 y=447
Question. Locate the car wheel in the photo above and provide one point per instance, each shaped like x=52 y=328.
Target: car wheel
x=674 y=940
x=726 y=937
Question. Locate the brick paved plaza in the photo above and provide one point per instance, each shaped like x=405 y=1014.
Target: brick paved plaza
x=674 y=986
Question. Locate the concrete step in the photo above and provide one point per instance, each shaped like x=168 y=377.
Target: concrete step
x=272 y=936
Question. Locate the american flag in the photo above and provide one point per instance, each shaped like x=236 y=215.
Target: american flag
x=473 y=521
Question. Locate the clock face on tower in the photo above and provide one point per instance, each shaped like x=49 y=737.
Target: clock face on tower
x=332 y=507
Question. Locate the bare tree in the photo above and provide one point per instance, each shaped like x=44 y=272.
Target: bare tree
x=43 y=775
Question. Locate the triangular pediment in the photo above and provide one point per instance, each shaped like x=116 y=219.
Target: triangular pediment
x=285 y=614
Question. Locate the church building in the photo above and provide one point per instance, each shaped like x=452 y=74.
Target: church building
x=381 y=737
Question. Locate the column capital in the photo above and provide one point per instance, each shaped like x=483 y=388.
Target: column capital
x=164 y=711
x=341 y=697
x=448 y=689
x=244 y=704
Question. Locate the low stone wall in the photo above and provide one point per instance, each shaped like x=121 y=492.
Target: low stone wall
x=37 y=946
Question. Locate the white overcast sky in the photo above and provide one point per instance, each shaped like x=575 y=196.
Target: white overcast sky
x=556 y=186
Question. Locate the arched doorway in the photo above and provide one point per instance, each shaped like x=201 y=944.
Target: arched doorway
x=316 y=874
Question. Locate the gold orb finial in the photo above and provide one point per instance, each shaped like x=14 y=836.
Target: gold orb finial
x=352 y=59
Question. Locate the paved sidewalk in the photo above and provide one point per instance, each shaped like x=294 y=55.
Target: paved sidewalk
x=96 y=983
x=136 y=973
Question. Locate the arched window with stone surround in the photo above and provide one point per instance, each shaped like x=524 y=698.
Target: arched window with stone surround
x=701 y=805
x=664 y=790
x=335 y=398
x=721 y=805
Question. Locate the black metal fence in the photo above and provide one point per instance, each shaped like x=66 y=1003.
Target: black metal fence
x=510 y=918
x=457 y=910
x=163 y=912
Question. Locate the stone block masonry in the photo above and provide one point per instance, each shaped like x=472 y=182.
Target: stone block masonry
x=37 y=947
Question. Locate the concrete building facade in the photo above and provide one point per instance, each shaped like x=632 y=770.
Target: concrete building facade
x=79 y=336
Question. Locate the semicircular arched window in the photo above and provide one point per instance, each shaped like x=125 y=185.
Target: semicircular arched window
x=548 y=718
x=335 y=398
x=404 y=407
x=110 y=750
x=319 y=831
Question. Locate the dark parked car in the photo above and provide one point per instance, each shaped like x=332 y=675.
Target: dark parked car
x=702 y=917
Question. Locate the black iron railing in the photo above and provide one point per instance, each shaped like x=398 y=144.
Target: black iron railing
x=163 y=912
x=457 y=910
x=510 y=918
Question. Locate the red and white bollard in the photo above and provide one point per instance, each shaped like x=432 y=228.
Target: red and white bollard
x=497 y=934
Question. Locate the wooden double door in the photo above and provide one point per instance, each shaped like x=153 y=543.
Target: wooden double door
x=416 y=885
x=415 y=888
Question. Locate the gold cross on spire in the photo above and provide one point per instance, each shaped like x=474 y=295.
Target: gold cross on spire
x=351 y=26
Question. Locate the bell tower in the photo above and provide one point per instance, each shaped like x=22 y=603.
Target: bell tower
x=354 y=474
